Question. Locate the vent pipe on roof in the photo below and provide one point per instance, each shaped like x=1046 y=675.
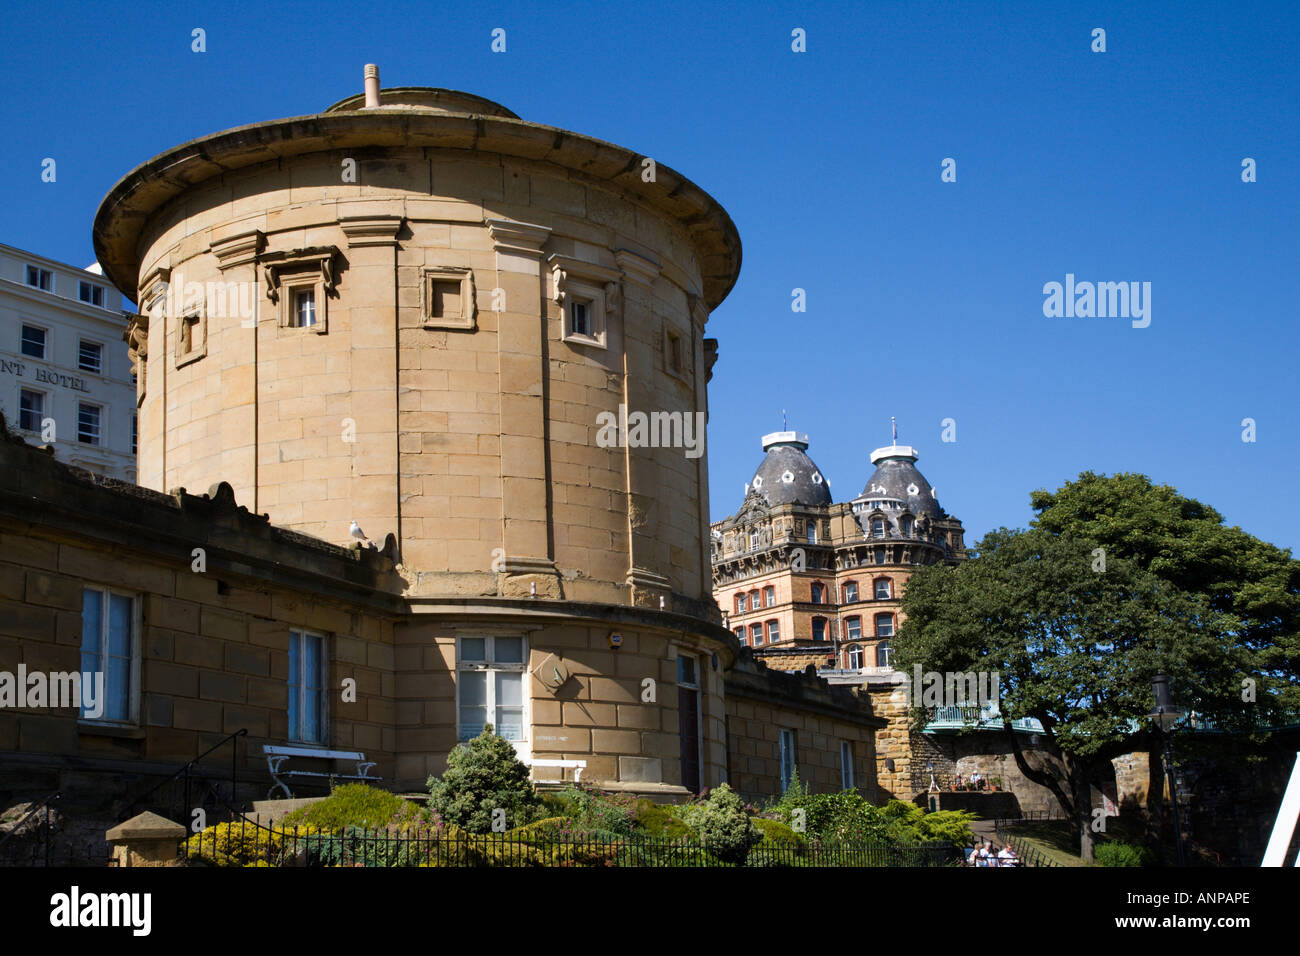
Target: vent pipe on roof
x=372 y=85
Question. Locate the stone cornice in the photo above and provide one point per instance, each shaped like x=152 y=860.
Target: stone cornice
x=238 y=249
x=519 y=238
x=132 y=202
x=364 y=230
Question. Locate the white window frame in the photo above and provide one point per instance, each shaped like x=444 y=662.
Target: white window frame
x=848 y=628
x=757 y=626
x=814 y=622
x=492 y=667
x=742 y=602
x=786 y=752
x=769 y=596
x=103 y=424
x=889 y=589
x=885 y=649
x=892 y=624
x=45 y=342
x=773 y=631
x=856 y=652
x=850 y=599
x=41 y=271
x=44 y=396
x=847 y=781
x=323 y=715
x=81 y=345
x=133 y=680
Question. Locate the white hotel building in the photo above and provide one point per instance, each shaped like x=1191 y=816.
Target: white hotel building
x=65 y=377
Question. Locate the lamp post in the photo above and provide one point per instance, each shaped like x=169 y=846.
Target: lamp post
x=1165 y=715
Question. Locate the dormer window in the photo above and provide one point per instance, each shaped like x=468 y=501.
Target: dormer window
x=39 y=278
x=906 y=526
x=877 y=527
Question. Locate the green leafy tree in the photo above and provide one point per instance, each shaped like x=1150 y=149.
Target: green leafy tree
x=1073 y=647
x=483 y=776
x=1185 y=543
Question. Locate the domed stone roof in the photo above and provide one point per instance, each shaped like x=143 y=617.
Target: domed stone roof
x=787 y=475
x=896 y=478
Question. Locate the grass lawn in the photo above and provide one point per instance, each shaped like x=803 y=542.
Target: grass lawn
x=1052 y=838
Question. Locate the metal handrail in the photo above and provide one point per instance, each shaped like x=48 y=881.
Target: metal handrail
x=184 y=771
x=56 y=795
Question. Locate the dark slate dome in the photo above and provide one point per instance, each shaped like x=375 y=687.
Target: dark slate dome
x=787 y=475
x=896 y=478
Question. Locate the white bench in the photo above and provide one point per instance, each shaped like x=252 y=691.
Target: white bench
x=577 y=766
x=276 y=756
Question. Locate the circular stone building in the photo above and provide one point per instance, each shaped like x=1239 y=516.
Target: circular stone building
x=481 y=340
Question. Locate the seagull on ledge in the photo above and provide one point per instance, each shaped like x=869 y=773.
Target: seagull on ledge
x=358 y=533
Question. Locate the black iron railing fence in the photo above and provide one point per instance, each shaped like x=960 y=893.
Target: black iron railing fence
x=1027 y=854
x=245 y=843
x=190 y=787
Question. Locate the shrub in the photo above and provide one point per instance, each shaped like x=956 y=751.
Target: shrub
x=725 y=828
x=234 y=844
x=1117 y=853
x=776 y=832
x=483 y=775
x=353 y=805
x=661 y=821
x=593 y=811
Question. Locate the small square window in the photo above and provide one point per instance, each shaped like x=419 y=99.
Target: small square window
x=191 y=335
x=42 y=279
x=88 y=423
x=585 y=292
x=302 y=302
x=448 y=299
x=31 y=409
x=90 y=357
x=33 y=342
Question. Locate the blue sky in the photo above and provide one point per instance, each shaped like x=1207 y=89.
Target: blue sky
x=924 y=298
